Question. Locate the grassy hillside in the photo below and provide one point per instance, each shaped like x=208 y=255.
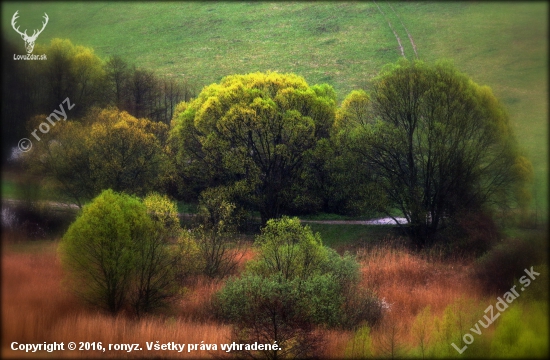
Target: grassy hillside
x=503 y=45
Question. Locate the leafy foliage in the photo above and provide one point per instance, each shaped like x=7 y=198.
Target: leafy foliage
x=269 y=309
x=72 y=71
x=115 y=253
x=521 y=333
x=76 y=73
x=360 y=346
x=164 y=213
x=516 y=254
x=99 y=248
x=252 y=133
x=189 y=257
x=354 y=111
x=289 y=249
x=294 y=284
x=456 y=320
x=349 y=192
x=216 y=233
x=422 y=328
x=109 y=149
x=441 y=144
x=154 y=285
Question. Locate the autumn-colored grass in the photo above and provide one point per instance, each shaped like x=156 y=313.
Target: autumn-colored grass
x=195 y=305
x=408 y=282
x=36 y=307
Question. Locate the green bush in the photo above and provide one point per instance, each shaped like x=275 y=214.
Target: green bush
x=116 y=252
x=360 y=346
x=522 y=332
x=294 y=285
x=154 y=284
x=288 y=248
x=217 y=231
x=272 y=308
x=268 y=309
x=190 y=259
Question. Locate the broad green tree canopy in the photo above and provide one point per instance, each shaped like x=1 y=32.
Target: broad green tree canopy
x=252 y=133
x=438 y=144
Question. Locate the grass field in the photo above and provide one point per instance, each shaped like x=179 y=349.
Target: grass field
x=36 y=307
x=343 y=236
x=503 y=45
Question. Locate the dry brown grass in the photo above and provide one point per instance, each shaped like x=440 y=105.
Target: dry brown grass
x=410 y=281
x=334 y=343
x=36 y=307
x=196 y=304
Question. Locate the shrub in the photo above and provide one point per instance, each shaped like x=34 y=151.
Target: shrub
x=470 y=233
x=154 y=283
x=218 y=220
x=288 y=248
x=275 y=309
x=115 y=253
x=295 y=284
x=360 y=307
x=457 y=318
x=190 y=260
x=497 y=269
x=421 y=329
x=360 y=346
x=522 y=332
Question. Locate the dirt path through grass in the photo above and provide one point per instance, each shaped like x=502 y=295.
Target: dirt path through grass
x=406 y=30
x=392 y=29
x=380 y=221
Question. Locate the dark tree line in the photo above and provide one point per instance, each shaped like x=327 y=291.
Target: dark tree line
x=142 y=93
x=425 y=141
x=38 y=87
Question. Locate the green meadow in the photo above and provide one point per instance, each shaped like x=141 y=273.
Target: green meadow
x=502 y=45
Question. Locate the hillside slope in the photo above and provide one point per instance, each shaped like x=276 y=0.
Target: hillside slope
x=503 y=45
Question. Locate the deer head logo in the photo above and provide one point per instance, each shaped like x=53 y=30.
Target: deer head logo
x=29 y=40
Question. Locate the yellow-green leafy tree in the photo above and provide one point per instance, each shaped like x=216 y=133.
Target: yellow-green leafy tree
x=254 y=133
x=155 y=285
x=108 y=149
x=74 y=72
